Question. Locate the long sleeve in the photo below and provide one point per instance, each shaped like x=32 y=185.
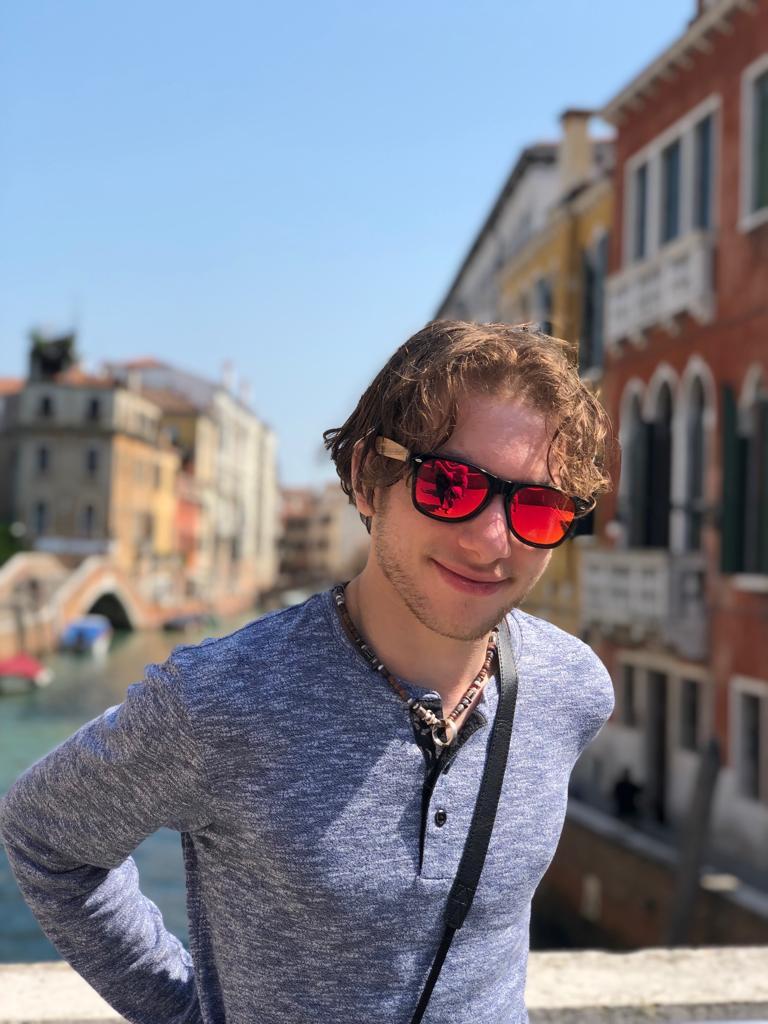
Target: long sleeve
x=71 y=821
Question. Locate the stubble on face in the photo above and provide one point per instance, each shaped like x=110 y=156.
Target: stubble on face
x=411 y=589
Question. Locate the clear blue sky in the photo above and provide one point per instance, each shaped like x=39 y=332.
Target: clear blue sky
x=291 y=187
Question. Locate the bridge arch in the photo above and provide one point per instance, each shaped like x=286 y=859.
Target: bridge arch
x=110 y=605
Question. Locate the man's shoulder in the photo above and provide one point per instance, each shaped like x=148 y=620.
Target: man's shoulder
x=567 y=674
x=557 y=649
x=552 y=638
x=271 y=639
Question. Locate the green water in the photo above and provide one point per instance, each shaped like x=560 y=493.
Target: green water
x=33 y=723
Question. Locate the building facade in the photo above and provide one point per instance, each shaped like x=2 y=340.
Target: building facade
x=93 y=474
x=675 y=595
x=518 y=214
x=542 y=256
x=237 y=488
x=323 y=540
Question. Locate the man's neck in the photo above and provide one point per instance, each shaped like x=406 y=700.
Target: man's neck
x=408 y=648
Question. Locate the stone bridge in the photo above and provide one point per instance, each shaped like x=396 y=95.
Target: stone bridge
x=39 y=595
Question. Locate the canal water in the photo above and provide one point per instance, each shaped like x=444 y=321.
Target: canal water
x=33 y=723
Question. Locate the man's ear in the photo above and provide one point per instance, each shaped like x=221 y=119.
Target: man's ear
x=364 y=506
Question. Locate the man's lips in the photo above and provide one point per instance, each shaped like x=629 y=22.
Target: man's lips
x=468 y=584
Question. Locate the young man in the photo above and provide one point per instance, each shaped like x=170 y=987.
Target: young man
x=322 y=815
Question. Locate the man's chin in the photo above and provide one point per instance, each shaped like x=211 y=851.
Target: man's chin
x=465 y=629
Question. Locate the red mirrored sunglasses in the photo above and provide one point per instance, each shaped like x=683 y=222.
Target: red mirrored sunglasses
x=453 y=491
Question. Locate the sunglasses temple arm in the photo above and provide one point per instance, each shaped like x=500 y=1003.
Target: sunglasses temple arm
x=391 y=449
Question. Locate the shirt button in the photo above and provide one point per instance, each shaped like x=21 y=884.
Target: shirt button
x=441 y=817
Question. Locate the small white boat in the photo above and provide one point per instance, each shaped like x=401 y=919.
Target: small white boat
x=91 y=634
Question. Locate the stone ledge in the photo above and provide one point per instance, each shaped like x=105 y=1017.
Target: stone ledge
x=661 y=985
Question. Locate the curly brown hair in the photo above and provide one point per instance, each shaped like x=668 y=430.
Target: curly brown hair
x=414 y=400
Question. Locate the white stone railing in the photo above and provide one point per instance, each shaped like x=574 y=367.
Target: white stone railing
x=647 y=592
x=724 y=984
x=627 y=588
x=677 y=279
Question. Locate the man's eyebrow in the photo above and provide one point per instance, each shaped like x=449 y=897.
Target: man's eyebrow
x=463 y=458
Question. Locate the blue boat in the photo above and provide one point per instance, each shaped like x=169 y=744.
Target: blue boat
x=91 y=634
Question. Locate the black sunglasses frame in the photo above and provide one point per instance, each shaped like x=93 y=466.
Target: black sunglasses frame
x=496 y=485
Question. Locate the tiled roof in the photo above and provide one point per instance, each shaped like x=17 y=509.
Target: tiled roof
x=10 y=385
x=170 y=401
x=141 y=363
x=77 y=378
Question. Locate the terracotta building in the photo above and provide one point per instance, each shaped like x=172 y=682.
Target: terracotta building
x=675 y=597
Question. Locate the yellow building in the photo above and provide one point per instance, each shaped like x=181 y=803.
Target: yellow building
x=557 y=279
x=541 y=256
x=196 y=437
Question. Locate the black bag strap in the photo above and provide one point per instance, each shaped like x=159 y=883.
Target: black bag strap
x=472 y=859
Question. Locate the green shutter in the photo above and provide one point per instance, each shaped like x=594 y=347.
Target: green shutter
x=760 y=185
x=731 y=522
x=761 y=453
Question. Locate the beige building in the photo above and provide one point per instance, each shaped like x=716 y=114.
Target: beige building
x=239 y=450
x=323 y=539
x=94 y=473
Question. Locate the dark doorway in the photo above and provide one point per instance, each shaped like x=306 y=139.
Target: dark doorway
x=656 y=746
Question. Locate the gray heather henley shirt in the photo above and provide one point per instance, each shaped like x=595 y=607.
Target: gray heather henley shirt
x=317 y=866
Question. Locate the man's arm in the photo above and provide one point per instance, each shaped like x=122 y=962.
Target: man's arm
x=69 y=824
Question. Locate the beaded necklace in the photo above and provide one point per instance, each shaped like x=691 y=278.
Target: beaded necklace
x=445 y=725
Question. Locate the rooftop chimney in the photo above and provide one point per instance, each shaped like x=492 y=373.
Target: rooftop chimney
x=575 y=149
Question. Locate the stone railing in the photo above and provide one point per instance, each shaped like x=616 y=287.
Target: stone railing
x=677 y=279
x=647 y=591
x=681 y=985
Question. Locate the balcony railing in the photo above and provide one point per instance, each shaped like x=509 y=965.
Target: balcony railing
x=642 y=593
x=677 y=279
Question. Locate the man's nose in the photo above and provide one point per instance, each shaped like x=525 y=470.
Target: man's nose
x=487 y=536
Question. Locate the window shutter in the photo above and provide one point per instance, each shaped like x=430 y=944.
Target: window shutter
x=601 y=271
x=761 y=453
x=659 y=470
x=586 y=354
x=731 y=538
x=645 y=501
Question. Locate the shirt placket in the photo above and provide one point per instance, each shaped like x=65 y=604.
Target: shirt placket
x=445 y=811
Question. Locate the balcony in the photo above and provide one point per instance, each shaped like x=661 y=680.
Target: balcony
x=683 y=985
x=677 y=279
x=633 y=595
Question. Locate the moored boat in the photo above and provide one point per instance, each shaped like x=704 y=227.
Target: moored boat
x=22 y=672
x=189 y=622
x=90 y=634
